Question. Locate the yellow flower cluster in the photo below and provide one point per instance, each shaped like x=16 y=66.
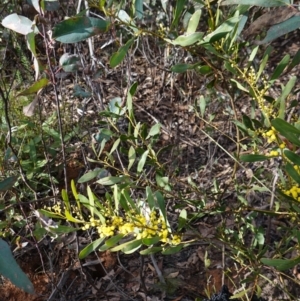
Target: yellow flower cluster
x=136 y=225
x=270 y=135
x=274 y=153
x=294 y=192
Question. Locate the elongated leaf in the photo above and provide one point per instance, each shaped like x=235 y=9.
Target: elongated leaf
x=91 y=247
x=182 y=219
x=11 y=270
x=181 y=68
x=8 y=183
x=70 y=218
x=240 y=86
x=131 y=157
x=188 y=39
x=263 y=62
x=222 y=30
x=287 y=130
x=119 y=56
x=194 y=21
x=172 y=250
x=285 y=93
x=151 y=241
x=155 y=130
x=114 y=240
x=78 y=28
x=295 y=61
x=292 y=156
x=281 y=264
x=281 y=29
x=263 y=3
x=292 y=172
x=152 y=250
x=69 y=62
x=127 y=247
x=112 y=180
x=161 y=204
x=178 y=11
x=280 y=67
x=19 y=24
x=60 y=229
x=35 y=87
x=30 y=108
x=90 y=175
x=150 y=198
x=51 y=214
x=253 y=158
x=139 y=10
x=142 y=161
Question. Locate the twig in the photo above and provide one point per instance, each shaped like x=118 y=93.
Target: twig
x=158 y=271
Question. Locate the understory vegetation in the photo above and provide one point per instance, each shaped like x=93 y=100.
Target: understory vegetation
x=150 y=129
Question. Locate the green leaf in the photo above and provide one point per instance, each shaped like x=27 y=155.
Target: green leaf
x=222 y=30
x=90 y=175
x=131 y=157
x=194 y=21
x=114 y=106
x=114 y=240
x=35 y=87
x=124 y=17
x=150 y=251
x=151 y=241
x=292 y=156
x=181 y=68
x=70 y=62
x=287 y=130
x=177 y=13
x=172 y=249
x=8 y=183
x=202 y=105
x=161 y=204
x=60 y=229
x=239 y=85
x=115 y=145
x=285 y=93
x=182 y=219
x=113 y=180
x=11 y=270
x=253 y=158
x=19 y=24
x=139 y=11
x=132 y=247
x=264 y=62
x=80 y=92
x=295 y=61
x=292 y=172
x=280 y=67
x=91 y=198
x=155 y=130
x=263 y=3
x=204 y=70
x=150 y=198
x=281 y=264
x=78 y=28
x=142 y=161
x=188 y=39
x=128 y=247
x=118 y=56
x=51 y=214
x=91 y=247
x=72 y=219
x=279 y=30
